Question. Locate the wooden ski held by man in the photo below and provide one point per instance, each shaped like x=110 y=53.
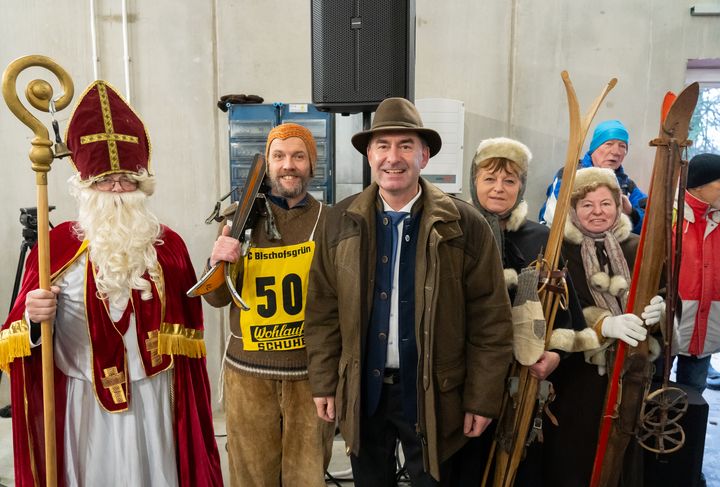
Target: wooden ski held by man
x=222 y=272
x=625 y=395
x=520 y=406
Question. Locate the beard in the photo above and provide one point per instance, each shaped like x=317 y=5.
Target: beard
x=288 y=189
x=121 y=232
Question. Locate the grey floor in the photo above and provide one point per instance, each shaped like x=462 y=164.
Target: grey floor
x=340 y=465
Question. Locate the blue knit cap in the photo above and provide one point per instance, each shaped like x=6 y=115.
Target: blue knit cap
x=608 y=130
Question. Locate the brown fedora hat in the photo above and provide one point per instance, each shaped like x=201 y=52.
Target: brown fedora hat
x=397 y=114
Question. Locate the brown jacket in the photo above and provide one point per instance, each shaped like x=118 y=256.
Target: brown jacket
x=462 y=318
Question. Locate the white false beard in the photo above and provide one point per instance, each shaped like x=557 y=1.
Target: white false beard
x=121 y=232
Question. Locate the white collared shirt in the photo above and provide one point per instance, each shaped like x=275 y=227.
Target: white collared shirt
x=392 y=360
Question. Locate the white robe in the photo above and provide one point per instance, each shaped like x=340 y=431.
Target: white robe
x=135 y=447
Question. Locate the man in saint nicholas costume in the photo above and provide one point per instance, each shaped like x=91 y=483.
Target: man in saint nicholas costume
x=132 y=395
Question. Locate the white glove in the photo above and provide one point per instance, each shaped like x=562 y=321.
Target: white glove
x=628 y=328
x=654 y=312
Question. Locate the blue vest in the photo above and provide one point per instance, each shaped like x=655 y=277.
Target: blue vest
x=376 y=340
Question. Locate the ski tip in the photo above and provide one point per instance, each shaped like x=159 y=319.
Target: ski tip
x=666 y=104
x=693 y=90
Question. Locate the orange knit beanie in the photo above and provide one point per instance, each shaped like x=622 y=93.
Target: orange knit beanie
x=287 y=130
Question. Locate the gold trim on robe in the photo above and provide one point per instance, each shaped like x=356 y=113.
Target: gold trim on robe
x=175 y=339
x=14 y=343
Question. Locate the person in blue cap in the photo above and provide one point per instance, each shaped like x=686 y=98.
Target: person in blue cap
x=608 y=149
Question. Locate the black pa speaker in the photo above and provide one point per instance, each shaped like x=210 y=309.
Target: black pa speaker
x=363 y=51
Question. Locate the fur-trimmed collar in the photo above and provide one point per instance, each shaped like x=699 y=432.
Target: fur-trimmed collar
x=575 y=236
x=517 y=217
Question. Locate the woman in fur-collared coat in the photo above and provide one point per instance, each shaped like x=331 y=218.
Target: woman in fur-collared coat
x=499 y=175
x=600 y=251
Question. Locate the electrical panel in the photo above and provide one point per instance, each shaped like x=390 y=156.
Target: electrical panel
x=249 y=126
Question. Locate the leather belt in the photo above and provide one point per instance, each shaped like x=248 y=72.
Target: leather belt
x=392 y=376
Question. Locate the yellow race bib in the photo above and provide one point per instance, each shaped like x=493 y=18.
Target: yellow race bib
x=275 y=285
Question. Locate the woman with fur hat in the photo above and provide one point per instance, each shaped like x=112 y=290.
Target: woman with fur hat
x=498 y=176
x=600 y=251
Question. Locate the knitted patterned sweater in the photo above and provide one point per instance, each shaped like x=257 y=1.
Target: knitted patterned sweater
x=295 y=226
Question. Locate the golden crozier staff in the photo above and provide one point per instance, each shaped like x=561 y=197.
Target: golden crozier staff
x=40 y=95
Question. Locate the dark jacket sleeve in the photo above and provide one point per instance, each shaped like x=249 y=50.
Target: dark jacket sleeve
x=638 y=200
x=488 y=323
x=571 y=317
x=322 y=327
x=551 y=194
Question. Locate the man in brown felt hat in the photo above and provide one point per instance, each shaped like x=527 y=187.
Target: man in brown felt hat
x=408 y=324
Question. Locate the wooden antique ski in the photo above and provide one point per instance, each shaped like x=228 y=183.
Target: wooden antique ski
x=520 y=407
x=222 y=271
x=625 y=395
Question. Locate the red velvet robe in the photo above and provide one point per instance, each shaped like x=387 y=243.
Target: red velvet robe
x=179 y=323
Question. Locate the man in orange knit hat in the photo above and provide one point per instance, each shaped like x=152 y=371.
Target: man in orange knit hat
x=274 y=435
x=132 y=392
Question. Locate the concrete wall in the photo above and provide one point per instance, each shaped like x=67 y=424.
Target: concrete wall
x=504 y=58
x=501 y=57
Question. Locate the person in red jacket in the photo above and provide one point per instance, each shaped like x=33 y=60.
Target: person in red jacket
x=698 y=327
x=132 y=396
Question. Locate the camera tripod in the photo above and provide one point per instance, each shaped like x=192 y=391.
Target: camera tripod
x=28 y=219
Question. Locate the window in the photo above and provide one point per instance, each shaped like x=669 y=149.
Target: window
x=705 y=122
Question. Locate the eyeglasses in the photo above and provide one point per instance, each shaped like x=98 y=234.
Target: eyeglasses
x=108 y=183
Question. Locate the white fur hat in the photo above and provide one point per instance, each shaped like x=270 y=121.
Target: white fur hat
x=598 y=176
x=503 y=147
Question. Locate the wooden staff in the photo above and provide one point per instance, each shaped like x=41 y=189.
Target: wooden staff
x=39 y=93
x=507 y=461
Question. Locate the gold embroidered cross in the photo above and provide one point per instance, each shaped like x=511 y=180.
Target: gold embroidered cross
x=109 y=135
x=114 y=381
x=151 y=345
